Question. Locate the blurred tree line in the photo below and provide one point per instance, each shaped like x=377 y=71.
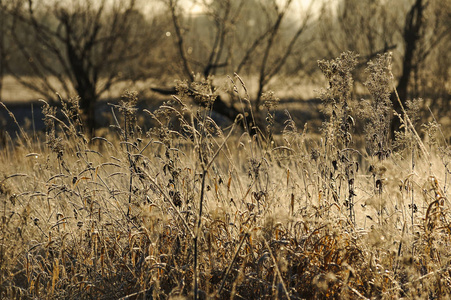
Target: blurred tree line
x=84 y=47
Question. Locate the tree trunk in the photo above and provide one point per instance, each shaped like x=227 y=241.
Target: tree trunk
x=88 y=100
x=414 y=21
x=222 y=108
x=85 y=87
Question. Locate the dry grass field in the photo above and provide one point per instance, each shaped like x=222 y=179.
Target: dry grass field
x=191 y=210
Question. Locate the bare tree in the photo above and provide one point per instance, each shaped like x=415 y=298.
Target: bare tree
x=411 y=35
x=433 y=30
x=424 y=30
x=413 y=28
x=235 y=43
x=271 y=67
x=366 y=27
x=79 y=46
x=224 y=16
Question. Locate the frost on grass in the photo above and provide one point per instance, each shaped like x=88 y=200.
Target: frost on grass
x=190 y=208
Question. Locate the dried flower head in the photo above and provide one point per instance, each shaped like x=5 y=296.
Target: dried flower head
x=270 y=101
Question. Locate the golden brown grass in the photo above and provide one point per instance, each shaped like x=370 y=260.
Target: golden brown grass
x=189 y=209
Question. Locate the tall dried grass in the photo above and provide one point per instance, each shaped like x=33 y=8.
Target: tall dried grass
x=189 y=209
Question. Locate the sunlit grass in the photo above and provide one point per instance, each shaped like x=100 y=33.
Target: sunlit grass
x=190 y=209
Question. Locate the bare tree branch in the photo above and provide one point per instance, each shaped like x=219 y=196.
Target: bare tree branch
x=180 y=40
x=84 y=46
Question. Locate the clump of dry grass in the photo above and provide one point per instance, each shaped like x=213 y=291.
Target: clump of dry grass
x=189 y=209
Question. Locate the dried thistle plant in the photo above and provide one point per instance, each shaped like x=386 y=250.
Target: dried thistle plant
x=337 y=96
x=378 y=110
x=337 y=129
x=127 y=107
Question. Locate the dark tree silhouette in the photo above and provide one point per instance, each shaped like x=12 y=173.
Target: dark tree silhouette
x=79 y=47
x=234 y=44
x=411 y=36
